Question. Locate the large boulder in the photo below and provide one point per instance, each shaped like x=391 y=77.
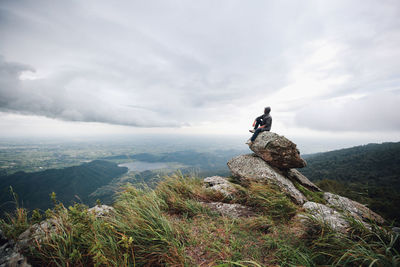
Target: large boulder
x=353 y=208
x=277 y=150
x=251 y=167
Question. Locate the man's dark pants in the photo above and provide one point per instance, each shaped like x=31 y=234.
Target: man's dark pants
x=259 y=130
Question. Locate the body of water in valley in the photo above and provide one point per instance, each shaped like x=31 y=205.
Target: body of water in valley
x=140 y=166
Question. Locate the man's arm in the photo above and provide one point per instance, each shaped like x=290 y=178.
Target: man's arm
x=257 y=119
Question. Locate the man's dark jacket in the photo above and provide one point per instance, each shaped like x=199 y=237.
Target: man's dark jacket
x=266 y=120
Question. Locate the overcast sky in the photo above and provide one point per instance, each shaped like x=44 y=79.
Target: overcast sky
x=328 y=69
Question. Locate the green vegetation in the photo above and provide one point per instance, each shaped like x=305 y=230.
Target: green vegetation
x=310 y=195
x=71 y=184
x=98 y=179
x=168 y=226
x=268 y=200
x=369 y=174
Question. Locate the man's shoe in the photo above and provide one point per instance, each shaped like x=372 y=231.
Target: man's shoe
x=252 y=130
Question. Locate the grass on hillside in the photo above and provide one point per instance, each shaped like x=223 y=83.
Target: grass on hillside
x=169 y=226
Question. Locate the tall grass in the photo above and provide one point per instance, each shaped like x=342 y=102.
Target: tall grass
x=136 y=233
x=139 y=218
x=268 y=200
x=370 y=245
x=183 y=194
x=169 y=226
x=15 y=223
x=363 y=245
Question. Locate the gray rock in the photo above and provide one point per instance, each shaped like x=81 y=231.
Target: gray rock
x=14 y=259
x=353 y=208
x=100 y=211
x=230 y=210
x=295 y=175
x=277 y=150
x=220 y=184
x=35 y=232
x=39 y=231
x=9 y=254
x=328 y=215
x=251 y=167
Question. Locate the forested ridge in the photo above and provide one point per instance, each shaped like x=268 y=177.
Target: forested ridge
x=369 y=174
x=70 y=184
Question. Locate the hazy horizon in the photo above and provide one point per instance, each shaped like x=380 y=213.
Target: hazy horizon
x=178 y=142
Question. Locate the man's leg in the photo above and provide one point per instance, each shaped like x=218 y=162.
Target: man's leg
x=258 y=122
x=253 y=138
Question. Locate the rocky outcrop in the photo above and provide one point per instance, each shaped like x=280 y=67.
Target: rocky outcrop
x=10 y=255
x=339 y=208
x=295 y=175
x=100 y=210
x=353 y=208
x=35 y=232
x=39 y=230
x=274 y=161
x=277 y=150
x=328 y=215
x=251 y=167
x=230 y=210
x=221 y=185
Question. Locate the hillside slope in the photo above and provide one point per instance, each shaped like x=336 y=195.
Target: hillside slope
x=70 y=184
x=369 y=174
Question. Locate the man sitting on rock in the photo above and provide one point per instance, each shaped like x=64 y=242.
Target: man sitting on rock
x=260 y=124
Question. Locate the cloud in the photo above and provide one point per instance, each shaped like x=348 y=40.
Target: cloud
x=171 y=64
x=376 y=112
x=61 y=96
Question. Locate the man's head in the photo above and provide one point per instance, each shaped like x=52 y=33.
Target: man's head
x=267 y=110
